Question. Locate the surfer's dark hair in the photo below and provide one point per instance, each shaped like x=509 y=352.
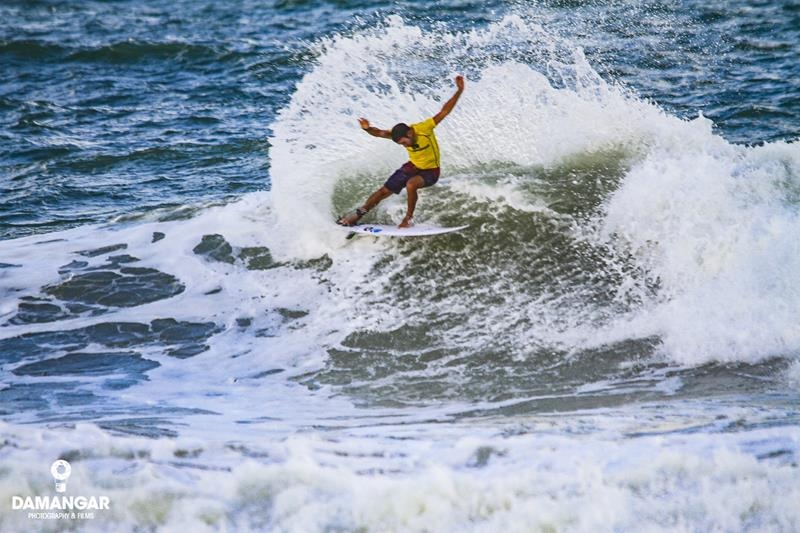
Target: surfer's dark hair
x=399 y=131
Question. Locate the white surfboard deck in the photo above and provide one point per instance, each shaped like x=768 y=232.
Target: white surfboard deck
x=384 y=230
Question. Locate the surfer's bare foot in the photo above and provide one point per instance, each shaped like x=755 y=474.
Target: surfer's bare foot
x=350 y=219
x=406 y=223
x=346 y=220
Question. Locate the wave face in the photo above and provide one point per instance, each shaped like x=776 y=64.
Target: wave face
x=595 y=217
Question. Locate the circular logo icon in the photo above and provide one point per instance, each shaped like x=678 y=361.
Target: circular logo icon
x=61 y=470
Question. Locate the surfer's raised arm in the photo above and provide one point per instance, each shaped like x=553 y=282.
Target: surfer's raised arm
x=421 y=170
x=372 y=130
x=451 y=103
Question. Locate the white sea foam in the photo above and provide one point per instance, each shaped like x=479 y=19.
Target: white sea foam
x=466 y=478
x=716 y=223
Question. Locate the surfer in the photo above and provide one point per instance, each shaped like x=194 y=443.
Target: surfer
x=422 y=169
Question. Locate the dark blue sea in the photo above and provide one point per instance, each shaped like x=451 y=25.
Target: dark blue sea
x=612 y=345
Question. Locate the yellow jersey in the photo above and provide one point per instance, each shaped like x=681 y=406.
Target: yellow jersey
x=424 y=154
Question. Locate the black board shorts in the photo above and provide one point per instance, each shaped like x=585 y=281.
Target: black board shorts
x=397 y=181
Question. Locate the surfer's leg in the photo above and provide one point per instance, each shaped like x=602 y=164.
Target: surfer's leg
x=375 y=198
x=396 y=182
x=417 y=182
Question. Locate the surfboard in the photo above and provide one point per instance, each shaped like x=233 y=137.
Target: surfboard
x=384 y=230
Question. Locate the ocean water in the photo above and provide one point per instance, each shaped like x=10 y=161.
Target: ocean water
x=612 y=345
